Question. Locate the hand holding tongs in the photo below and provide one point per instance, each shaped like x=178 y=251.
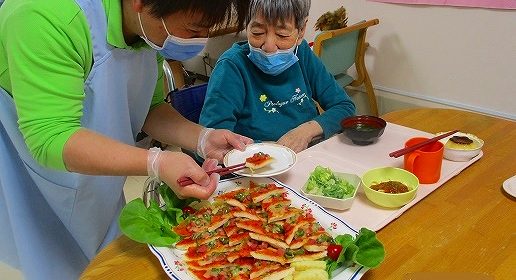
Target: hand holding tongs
x=185 y=181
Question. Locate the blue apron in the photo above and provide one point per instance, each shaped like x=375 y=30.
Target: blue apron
x=52 y=222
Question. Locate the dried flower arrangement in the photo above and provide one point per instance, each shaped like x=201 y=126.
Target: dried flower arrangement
x=332 y=20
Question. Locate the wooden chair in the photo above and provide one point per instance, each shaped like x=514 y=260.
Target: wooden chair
x=342 y=48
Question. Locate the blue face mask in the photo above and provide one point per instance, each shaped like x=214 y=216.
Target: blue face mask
x=273 y=63
x=174 y=47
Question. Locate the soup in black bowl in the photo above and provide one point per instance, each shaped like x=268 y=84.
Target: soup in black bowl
x=363 y=130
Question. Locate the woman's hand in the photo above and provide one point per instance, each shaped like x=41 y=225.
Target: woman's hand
x=298 y=138
x=215 y=143
x=175 y=165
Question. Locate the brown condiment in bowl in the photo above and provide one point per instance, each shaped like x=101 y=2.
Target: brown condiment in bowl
x=390 y=187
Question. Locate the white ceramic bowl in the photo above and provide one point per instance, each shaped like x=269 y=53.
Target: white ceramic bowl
x=457 y=152
x=336 y=203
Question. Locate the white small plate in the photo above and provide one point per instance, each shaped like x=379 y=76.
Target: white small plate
x=336 y=203
x=284 y=159
x=510 y=186
x=457 y=154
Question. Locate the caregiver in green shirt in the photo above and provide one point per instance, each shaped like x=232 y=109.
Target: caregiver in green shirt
x=78 y=80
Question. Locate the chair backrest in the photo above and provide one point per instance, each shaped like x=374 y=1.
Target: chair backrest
x=188 y=101
x=169 y=76
x=341 y=48
x=338 y=52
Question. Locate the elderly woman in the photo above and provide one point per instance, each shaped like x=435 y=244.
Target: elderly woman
x=265 y=88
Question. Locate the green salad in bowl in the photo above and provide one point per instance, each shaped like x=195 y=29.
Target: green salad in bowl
x=331 y=189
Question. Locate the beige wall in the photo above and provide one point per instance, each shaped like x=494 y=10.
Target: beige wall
x=459 y=57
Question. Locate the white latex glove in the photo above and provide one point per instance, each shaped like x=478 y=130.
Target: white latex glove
x=215 y=143
x=170 y=166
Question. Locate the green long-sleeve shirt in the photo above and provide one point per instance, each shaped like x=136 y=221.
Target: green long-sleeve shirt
x=46 y=55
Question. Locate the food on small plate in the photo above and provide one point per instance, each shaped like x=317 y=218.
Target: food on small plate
x=462 y=143
x=258 y=160
x=461 y=146
x=330 y=189
x=390 y=187
x=322 y=181
x=283 y=159
x=463 y=140
x=385 y=174
x=253 y=233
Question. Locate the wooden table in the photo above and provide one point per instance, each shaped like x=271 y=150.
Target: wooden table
x=468 y=225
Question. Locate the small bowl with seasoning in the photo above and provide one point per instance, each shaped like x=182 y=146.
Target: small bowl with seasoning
x=330 y=189
x=363 y=130
x=389 y=186
x=461 y=146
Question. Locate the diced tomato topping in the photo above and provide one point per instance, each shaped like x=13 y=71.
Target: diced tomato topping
x=257 y=158
x=264 y=245
x=202 y=249
x=188 y=210
x=182 y=230
x=252 y=245
x=281 y=251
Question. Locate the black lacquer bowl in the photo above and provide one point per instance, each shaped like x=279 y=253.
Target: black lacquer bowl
x=363 y=130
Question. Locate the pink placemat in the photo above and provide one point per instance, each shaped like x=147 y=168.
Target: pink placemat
x=339 y=154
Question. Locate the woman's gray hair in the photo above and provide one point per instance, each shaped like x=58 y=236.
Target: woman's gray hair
x=277 y=11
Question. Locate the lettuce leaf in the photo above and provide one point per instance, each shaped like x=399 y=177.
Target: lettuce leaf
x=173 y=204
x=147 y=225
x=153 y=224
x=345 y=241
x=371 y=251
x=365 y=249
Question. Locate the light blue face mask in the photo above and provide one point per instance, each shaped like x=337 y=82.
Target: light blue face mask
x=174 y=47
x=273 y=63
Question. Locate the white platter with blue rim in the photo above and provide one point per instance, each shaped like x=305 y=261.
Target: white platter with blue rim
x=172 y=260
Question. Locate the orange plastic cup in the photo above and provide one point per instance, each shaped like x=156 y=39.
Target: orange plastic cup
x=425 y=162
